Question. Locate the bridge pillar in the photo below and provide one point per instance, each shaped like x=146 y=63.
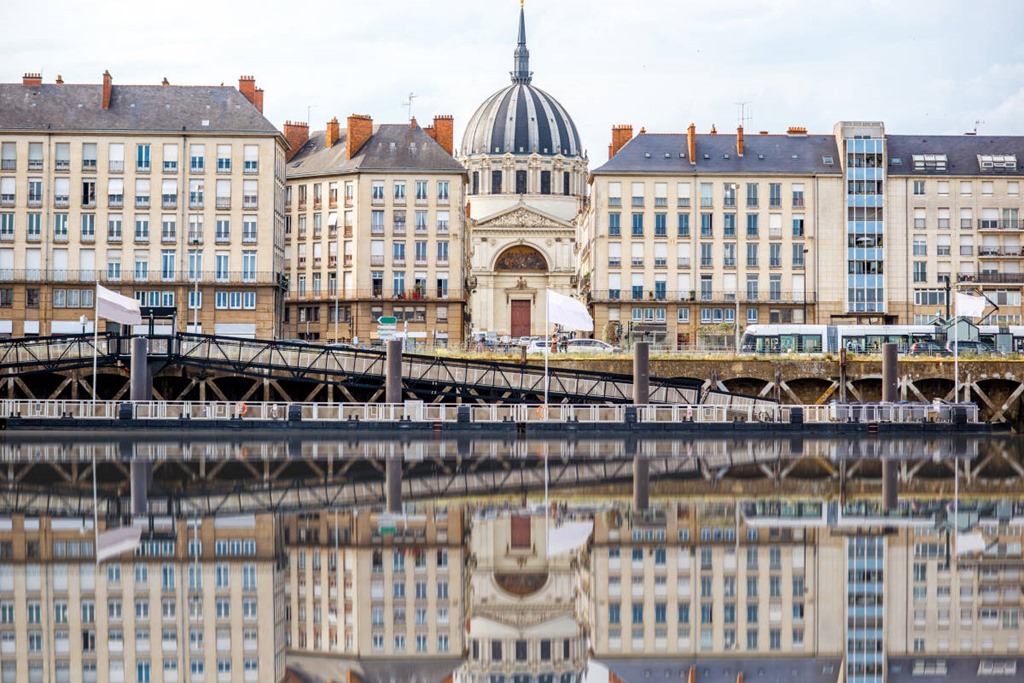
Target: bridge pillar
x=890 y=468
x=393 y=377
x=641 y=482
x=393 y=483
x=641 y=373
x=141 y=380
x=140 y=476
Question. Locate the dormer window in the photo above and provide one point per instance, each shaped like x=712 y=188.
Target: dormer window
x=997 y=162
x=929 y=162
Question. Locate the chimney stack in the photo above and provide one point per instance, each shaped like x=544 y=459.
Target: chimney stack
x=714 y=131
x=412 y=123
x=247 y=86
x=796 y=131
x=360 y=129
x=691 y=143
x=32 y=79
x=107 y=87
x=621 y=134
x=333 y=133
x=259 y=100
x=165 y=81
x=296 y=134
x=739 y=141
x=60 y=80
x=443 y=131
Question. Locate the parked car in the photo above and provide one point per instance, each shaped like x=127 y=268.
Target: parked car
x=977 y=348
x=928 y=348
x=590 y=346
x=538 y=347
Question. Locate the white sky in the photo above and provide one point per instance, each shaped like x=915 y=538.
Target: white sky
x=921 y=66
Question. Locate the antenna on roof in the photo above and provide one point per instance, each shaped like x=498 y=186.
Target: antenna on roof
x=976 y=123
x=408 y=104
x=309 y=108
x=745 y=113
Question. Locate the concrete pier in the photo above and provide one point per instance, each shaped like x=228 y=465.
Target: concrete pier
x=890 y=468
x=393 y=378
x=641 y=373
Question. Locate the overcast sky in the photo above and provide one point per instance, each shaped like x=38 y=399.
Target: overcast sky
x=921 y=66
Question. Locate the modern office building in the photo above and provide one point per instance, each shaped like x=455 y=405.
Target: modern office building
x=527 y=180
x=375 y=227
x=171 y=194
x=197 y=602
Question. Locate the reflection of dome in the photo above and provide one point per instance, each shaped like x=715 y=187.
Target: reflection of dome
x=521 y=584
x=521 y=119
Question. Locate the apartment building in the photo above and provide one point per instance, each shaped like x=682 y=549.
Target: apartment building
x=955 y=205
x=197 y=602
x=171 y=194
x=688 y=238
x=373 y=586
x=375 y=227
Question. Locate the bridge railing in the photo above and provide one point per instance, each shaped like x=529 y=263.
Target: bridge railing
x=418 y=411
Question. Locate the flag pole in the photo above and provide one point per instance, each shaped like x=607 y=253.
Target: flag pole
x=956 y=352
x=95 y=342
x=547 y=344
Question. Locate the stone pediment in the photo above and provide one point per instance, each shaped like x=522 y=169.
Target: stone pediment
x=521 y=217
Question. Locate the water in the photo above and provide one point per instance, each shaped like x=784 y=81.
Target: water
x=511 y=561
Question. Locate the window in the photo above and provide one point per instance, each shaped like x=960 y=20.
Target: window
x=638 y=225
x=197 y=158
x=614 y=224
x=918 y=187
x=920 y=270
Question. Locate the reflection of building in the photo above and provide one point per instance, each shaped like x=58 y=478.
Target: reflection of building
x=527 y=174
x=144 y=189
x=195 y=603
x=374 y=227
x=370 y=586
x=526 y=611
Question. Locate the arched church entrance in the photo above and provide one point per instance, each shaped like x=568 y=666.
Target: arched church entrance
x=532 y=269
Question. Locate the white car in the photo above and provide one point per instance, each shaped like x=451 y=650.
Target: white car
x=538 y=347
x=590 y=346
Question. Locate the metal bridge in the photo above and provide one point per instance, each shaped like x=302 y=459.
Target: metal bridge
x=293 y=371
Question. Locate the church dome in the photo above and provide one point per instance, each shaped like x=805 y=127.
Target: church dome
x=521 y=118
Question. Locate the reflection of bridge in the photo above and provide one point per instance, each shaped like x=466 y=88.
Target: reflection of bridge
x=189 y=367
x=225 y=476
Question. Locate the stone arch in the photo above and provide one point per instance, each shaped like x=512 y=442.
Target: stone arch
x=521 y=258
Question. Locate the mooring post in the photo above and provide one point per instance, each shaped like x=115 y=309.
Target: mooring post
x=393 y=484
x=141 y=383
x=141 y=389
x=393 y=380
x=641 y=373
x=890 y=469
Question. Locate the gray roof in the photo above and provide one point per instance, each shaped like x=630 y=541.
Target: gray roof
x=392 y=147
x=521 y=119
x=755 y=670
x=961 y=153
x=319 y=669
x=652 y=153
x=958 y=669
x=135 y=108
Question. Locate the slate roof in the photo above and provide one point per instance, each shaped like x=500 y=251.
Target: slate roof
x=755 y=670
x=319 y=669
x=134 y=108
x=392 y=147
x=653 y=153
x=961 y=153
x=522 y=119
x=958 y=670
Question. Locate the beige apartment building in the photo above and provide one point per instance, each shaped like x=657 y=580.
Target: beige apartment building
x=375 y=586
x=688 y=238
x=170 y=194
x=196 y=602
x=955 y=204
x=375 y=227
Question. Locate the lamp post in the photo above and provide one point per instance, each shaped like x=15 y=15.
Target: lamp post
x=196 y=241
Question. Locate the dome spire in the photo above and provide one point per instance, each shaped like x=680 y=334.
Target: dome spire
x=521 y=73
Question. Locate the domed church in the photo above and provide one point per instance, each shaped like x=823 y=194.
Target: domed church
x=527 y=179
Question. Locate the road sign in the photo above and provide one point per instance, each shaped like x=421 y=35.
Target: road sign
x=387 y=320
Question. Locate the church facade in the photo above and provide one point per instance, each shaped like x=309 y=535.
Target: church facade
x=527 y=181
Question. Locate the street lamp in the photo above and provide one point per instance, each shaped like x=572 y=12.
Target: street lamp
x=196 y=241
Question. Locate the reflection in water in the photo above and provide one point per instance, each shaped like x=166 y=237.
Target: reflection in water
x=771 y=558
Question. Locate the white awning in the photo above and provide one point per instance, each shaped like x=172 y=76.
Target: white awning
x=332 y=220
x=568 y=537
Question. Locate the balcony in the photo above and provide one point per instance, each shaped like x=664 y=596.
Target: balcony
x=223 y=203
x=115 y=166
x=992 y=224
x=377 y=260
x=8 y=165
x=61 y=202
x=142 y=202
x=374 y=201
x=1000 y=252
x=798 y=202
x=170 y=167
x=169 y=201
x=683 y=262
x=992 y=278
x=683 y=202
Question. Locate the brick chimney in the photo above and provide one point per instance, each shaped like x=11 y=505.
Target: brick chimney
x=247 y=86
x=412 y=123
x=60 y=80
x=108 y=85
x=620 y=136
x=296 y=134
x=360 y=129
x=714 y=131
x=32 y=79
x=259 y=100
x=165 y=81
x=796 y=130
x=333 y=133
x=444 y=132
x=739 y=141
x=691 y=143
